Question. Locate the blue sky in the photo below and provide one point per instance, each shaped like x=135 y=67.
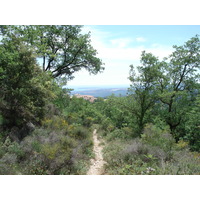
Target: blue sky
x=119 y=46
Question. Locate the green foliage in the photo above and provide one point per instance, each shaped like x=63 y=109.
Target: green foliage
x=1 y=119
x=78 y=132
x=47 y=152
x=113 y=112
x=127 y=157
x=2 y=149
x=62 y=99
x=25 y=88
x=192 y=126
x=63 y=49
x=82 y=112
x=88 y=121
x=55 y=123
x=155 y=136
x=178 y=84
x=128 y=132
x=14 y=148
x=36 y=146
x=183 y=163
x=107 y=124
x=168 y=90
x=143 y=89
x=182 y=144
x=118 y=134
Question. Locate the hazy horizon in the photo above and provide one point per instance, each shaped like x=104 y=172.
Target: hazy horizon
x=86 y=87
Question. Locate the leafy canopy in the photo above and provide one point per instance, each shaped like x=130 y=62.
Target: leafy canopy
x=63 y=49
x=167 y=88
x=24 y=87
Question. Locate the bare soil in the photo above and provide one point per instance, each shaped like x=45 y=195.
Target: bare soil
x=97 y=164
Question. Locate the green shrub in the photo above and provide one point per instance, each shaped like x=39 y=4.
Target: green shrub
x=35 y=167
x=137 y=167
x=117 y=134
x=183 y=163
x=126 y=158
x=16 y=149
x=36 y=146
x=8 y=164
x=56 y=123
x=182 y=144
x=79 y=132
x=88 y=121
x=147 y=156
x=128 y=131
x=107 y=124
x=155 y=136
x=1 y=120
x=2 y=149
x=48 y=151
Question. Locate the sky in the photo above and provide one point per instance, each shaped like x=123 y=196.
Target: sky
x=119 y=46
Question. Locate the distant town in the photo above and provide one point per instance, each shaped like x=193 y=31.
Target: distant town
x=86 y=97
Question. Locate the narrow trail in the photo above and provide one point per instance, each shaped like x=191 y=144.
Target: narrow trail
x=96 y=167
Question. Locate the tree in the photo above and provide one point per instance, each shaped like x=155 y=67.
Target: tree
x=178 y=85
x=24 y=88
x=169 y=86
x=63 y=49
x=142 y=93
x=115 y=110
x=192 y=126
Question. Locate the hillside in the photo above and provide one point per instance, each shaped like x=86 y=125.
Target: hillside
x=101 y=92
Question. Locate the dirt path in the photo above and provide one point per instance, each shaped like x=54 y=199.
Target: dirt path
x=96 y=167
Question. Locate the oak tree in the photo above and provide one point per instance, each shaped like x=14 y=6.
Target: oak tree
x=63 y=49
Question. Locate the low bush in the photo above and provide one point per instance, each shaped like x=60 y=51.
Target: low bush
x=155 y=136
x=48 y=151
x=56 y=123
x=128 y=131
x=155 y=153
x=79 y=132
x=182 y=144
x=88 y=121
x=126 y=158
x=124 y=134
x=107 y=125
x=183 y=163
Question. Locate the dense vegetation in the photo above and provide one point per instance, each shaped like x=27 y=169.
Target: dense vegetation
x=41 y=132
x=153 y=130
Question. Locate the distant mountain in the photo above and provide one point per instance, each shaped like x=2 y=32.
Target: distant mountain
x=100 y=92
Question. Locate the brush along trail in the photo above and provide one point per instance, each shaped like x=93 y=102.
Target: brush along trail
x=96 y=167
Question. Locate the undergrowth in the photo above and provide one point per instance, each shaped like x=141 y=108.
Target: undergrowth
x=54 y=148
x=155 y=153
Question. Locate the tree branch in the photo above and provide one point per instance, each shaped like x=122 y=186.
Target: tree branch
x=67 y=65
x=182 y=76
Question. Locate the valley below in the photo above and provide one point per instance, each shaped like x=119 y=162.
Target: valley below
x=101 y=91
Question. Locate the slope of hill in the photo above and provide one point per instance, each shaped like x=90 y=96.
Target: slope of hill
x=101 y=92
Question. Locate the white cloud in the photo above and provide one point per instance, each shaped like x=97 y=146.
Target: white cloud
x=140 y=39
x=97 y=36
x=121 y=42
x=160 y=51
x=118 y=55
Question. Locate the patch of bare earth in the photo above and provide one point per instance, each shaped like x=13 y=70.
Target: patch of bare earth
x=96 y=167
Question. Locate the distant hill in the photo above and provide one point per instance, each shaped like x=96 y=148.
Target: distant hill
x=100 y=92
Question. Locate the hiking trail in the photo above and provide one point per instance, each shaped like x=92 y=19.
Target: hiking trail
x=96 y=167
